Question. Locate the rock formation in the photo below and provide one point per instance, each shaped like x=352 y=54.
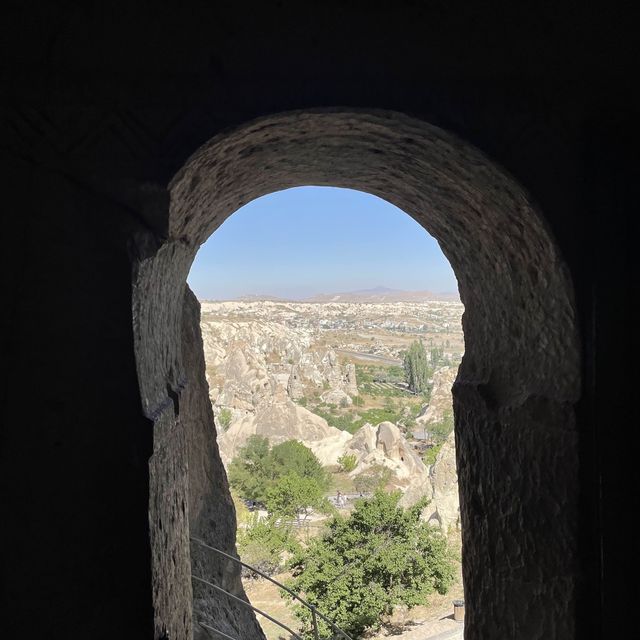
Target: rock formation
x=280 y=420
x=441 y=399
x=444 y=507
x=257 y=367
x=386 y=446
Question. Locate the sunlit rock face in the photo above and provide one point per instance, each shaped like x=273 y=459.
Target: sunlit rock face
x=444 y=508
x=282 y=420
x=441 y=399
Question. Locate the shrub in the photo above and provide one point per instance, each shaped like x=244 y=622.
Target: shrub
x=431 y=454
x=264 y=545
x=347 y=462
x=375 y=478
x=294 y=495
x=224 y=418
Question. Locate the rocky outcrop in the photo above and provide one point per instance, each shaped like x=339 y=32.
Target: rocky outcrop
x=441 y=398
x=257 y=367
x=350 y=381
x=384 y=445
x=444 y=508
x=281 y=419
x=249 y=361
x=295 y=384
x=337 y=397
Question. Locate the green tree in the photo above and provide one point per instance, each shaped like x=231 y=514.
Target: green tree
x=292 y=457
x=437 y=356
x=257 y=468
x=249 y=472
x=293 y=496
x=439 y=431
x=416 y=367
x=347 y=462
x=364 y=565
x=264 y=543
x=243 y=515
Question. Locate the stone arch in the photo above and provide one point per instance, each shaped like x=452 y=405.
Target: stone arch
x=517 y=384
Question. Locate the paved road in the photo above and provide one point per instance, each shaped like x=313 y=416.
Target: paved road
x=426 y=632
x=370 y=357
x=450 y=634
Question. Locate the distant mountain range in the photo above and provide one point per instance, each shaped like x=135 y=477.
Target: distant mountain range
x=377 y=294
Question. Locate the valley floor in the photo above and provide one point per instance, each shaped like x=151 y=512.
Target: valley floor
x=433 y=621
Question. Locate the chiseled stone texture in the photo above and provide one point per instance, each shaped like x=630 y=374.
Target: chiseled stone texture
x=514 y=396
x=169 y=526
x=211 y=511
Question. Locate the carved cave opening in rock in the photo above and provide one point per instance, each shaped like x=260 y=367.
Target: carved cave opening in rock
x=299 y=345
x=513 y=397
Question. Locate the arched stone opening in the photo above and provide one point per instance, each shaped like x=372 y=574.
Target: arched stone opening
x=514 y=395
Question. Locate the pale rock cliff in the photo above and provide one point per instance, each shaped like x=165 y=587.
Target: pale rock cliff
x=441 y=400
x=384 y=445
x=280 y=420
x=444 y=507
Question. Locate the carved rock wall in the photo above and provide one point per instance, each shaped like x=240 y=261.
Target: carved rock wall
x=520 y=374
x=211 y=510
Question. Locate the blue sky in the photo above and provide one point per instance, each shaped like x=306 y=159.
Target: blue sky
x=308 y=240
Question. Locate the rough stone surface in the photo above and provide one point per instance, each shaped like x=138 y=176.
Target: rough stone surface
x=279 y=420
x=211 y=510
x=515 y=379
x=295 y=386
x=169 y=524
x=337 y=397
x=385 y=445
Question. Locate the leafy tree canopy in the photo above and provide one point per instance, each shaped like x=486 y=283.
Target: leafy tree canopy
x=258 y=468
x=292 y=457
x=249 y=471
x=263 y=543
x=292 y=496
x=364 y=565
x=416 y=367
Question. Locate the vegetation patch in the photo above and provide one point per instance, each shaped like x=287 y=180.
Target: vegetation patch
x=431 y=454
x=264 y=545
x=259 y=473
x=365 y=565
x=347 y=462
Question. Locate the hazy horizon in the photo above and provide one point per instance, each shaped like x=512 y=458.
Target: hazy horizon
x=378 y=289
x=308 y=241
